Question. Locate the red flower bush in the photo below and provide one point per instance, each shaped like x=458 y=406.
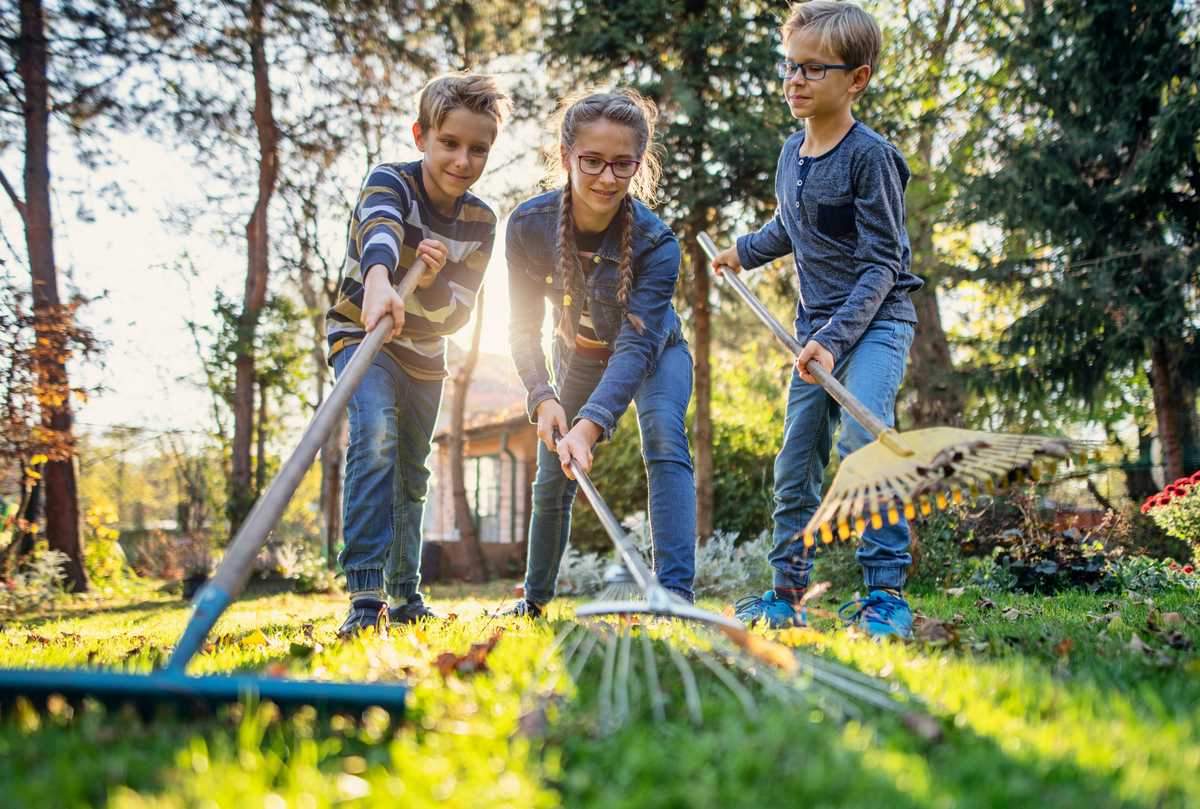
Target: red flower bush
x=1176 y=509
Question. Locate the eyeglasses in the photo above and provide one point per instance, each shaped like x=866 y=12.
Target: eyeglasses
x=621 y=169
x=812 y=71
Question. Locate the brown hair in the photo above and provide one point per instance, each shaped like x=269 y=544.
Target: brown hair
x=450 y=91
x=629 y=108
x=844 y=29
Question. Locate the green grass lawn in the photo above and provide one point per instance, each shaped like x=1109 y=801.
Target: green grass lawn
x=1041 y=701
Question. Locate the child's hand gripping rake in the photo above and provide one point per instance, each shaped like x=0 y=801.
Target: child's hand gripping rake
x=910 y=472
x=782 y=671
x=172 y=684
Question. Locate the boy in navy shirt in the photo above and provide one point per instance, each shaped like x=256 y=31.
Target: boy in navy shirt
x=840 y=195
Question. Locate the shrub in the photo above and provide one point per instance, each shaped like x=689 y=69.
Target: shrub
x=1176 y=509
x=36 y=584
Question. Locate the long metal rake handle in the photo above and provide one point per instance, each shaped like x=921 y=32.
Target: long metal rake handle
x=231 y=576
x=834 y=388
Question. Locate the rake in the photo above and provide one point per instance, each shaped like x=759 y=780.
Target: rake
x=171 y=684
x=915 y=471
x=722 y=645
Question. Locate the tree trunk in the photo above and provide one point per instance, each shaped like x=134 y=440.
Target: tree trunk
x=702 y=428
x=333 y=451
x=260 y=450
x=1174 y=406
x=463 y=519
x=695 y=65
x=256 y=271
x=940 y=395
x=62 y=501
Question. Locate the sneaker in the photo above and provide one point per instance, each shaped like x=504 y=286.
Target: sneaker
x=883 y=613
x=522 y=608
x=365 y=613
x=769 y=609
x=412 y=611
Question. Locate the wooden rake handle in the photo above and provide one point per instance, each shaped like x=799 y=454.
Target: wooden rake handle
x=834 y=388
x=235 y=568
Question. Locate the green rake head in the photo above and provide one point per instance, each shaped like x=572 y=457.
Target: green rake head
x=915 y=472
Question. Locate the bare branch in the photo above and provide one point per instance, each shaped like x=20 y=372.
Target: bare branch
x=12 y=194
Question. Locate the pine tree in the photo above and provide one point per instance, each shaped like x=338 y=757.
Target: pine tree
x=1097 y=193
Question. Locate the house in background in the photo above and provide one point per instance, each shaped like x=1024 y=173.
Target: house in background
x=499 y=459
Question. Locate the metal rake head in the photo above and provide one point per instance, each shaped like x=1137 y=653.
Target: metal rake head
x=662 y=653
x=915 y=472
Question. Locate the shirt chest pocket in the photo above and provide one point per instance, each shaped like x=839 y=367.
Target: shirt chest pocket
x=834 y=218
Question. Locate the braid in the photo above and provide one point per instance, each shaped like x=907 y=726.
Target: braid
x=625 y=270
x=568 y=261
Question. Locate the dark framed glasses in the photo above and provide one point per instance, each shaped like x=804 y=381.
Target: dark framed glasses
x=622 y=169
x=812 y=71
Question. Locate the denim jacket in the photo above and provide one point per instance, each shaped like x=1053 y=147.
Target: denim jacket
x=533 y=276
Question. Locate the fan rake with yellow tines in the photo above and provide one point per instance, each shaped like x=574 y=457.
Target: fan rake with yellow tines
x=913 y=472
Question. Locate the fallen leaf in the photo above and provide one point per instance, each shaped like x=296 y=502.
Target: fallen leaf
x=933 y=631
x=815 y=591
x=32 y=638
x=1063 y=647
x=533 y=724
x=985 y=604
x=1137 y=646
x=924 y=726
x=473 y=661
x=1011 y=614
x=1171 y=619
x=276 y=669
x=955 y=591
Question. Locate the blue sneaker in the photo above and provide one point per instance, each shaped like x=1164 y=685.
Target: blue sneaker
x=881 y=614
x=769 y=609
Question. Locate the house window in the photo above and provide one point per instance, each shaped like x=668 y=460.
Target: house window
x=483 y=495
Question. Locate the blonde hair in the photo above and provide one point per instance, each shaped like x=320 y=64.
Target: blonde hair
x=476 y=92
x=623 y=106
x=844 y=29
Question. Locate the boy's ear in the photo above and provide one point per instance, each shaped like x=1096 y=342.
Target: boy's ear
x=418 y=136
x=860 y=77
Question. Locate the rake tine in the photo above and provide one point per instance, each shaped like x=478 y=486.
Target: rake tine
x=658 y=700
x=621 y=702
x=561 y=642
x=690 y=691
x=606 y=679
x=575 y=667
x=738 y=690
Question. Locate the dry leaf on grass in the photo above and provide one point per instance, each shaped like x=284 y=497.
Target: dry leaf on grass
x=934 y=632
x=1063 y=647
x=474 y=660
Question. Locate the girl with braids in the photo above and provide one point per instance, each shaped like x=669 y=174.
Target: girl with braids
x=608 y=267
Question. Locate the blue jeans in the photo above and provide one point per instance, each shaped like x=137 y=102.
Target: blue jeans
x=872 y=370
x=392 y=416
x=661 y=401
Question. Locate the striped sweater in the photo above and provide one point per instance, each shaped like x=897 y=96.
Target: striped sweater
x=391 y=218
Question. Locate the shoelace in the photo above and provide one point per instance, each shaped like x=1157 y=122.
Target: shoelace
x=882 y=605
x=745 y=603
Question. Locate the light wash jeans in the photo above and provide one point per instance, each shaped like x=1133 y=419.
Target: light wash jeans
x=872 y=370
x=392 y=417
x=661 y=403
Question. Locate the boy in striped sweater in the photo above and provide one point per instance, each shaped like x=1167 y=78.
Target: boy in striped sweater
x=407 y=211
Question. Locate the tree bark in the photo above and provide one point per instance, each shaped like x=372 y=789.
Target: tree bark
x=256 y=271
x=260 y=450
x=463 y=519
x=1174 y=407
x=940 y=394
x=62 y=500
x=702 y=428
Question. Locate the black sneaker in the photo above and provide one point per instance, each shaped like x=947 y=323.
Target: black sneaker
x=412 y=612
x=522 y=608
x=365 y=613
